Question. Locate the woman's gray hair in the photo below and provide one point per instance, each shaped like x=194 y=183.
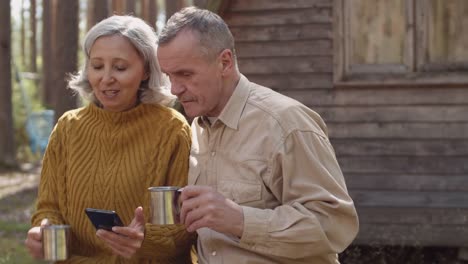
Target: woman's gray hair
x=153 y=90
x=213 y=33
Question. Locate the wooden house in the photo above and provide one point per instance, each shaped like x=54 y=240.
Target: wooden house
x=390 y=80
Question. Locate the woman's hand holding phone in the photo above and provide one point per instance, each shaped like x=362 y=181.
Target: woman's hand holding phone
x=125 y=240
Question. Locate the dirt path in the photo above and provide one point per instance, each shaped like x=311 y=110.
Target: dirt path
x=18 y=190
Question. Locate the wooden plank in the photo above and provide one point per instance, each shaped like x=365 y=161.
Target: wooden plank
x=381 y=96
x=284 y=48
x=409 y=199
x=418 y=80
x=249 y=5
x=281 y=82
x=282 y=32
x=412 y=235
x=274 y=65
x=406 y=182
x=399 y=130
x=418 y=216
x=281 y=17
x=398 y=147
x=456 y=165
x=339 y=41
x=440 y=113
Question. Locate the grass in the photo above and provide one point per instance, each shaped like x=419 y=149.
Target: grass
x=12 y=249
x=14 y=224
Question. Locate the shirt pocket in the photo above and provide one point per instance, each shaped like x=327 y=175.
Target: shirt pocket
x=240 y=192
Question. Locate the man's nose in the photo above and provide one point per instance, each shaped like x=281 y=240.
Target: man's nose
x=176 y=88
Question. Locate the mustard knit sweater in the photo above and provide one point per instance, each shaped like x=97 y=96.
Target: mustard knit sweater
x=107 y=160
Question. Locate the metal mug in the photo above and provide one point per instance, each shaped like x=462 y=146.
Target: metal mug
x=165 y=206
x=56 y=242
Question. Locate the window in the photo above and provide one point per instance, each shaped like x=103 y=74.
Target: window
x=401 y=42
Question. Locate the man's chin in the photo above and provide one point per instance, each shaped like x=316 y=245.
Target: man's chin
x=189 y=112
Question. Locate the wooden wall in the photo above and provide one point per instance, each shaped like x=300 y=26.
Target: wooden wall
x=403 y=150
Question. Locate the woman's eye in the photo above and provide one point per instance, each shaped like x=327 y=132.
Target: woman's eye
x=120 y=68
x=96 y=67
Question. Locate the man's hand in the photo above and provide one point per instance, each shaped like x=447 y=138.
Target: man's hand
x=34 y=240
x=125 y=241
x=204 y=207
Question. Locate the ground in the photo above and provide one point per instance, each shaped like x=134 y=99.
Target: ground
x=18 y=191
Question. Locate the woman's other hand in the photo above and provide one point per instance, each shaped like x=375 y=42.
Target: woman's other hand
x=34 y=240
x=125 y=241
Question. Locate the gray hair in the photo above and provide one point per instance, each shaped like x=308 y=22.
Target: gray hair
x=153 y=90
x=213 y=33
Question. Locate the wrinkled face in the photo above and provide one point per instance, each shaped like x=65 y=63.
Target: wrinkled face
x=195 y=79
x=115 y=71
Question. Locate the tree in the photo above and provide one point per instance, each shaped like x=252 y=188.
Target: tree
x=130 y=7
x=32 y=43
x=66 y=57
x=149 y=12
x=97 y=11
x=48 y=33
x=119 y=7
x=23 y=35
x=7 y=147
x=172 y=6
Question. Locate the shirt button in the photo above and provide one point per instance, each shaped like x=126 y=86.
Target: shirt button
x=213 y=253
x=213 y=153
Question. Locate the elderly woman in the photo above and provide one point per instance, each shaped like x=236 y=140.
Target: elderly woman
x=106 y=154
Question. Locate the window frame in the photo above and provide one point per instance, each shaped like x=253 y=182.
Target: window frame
x=410 y=73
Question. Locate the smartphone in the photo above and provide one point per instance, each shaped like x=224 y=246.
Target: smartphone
x=103 y=219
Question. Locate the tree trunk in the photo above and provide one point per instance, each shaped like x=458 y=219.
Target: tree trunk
x=173 y=6
x=7 y=146
x=200 y=3
x=130 y=7
x=97 y=11
x=153 y=13
x=47 y=91
x=66 y=58
x=118 y=7
x=32 y=43
x=149 y=12
x=23 y=36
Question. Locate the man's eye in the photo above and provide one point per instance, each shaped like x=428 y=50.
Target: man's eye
x=186 y=74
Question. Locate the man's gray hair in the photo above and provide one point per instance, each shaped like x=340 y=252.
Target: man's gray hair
x=153 y=90
x=213 y=33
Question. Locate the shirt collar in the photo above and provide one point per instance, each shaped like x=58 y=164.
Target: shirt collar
x=232 y=112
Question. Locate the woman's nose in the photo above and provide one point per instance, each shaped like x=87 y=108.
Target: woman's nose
x=107 y=77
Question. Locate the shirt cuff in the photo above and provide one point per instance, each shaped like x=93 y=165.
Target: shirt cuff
x=256 y=222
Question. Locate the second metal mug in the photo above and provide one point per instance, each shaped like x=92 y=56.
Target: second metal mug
x=56 y=242
x=165 y=205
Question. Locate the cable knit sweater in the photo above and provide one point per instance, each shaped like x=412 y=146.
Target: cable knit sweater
x=107 y=160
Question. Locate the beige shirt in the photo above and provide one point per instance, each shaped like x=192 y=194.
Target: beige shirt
x=270 y=154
